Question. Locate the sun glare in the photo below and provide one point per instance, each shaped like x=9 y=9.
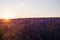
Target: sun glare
x=6 y=16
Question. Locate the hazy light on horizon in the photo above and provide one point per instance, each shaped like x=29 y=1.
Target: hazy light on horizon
x=30 y=8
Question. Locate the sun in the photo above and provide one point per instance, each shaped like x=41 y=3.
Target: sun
x=7 y=16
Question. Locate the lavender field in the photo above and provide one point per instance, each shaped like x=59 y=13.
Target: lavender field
x=30 y=29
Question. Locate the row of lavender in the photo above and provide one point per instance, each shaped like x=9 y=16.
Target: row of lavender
x=32 y=29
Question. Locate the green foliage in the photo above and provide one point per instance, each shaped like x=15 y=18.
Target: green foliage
x=1 y=33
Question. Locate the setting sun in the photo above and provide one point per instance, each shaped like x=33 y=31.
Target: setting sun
x=6 y=16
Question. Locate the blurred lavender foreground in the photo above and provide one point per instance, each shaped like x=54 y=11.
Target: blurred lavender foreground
x=30 y=29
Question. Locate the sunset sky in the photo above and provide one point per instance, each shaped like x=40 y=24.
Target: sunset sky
x=29 y=8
